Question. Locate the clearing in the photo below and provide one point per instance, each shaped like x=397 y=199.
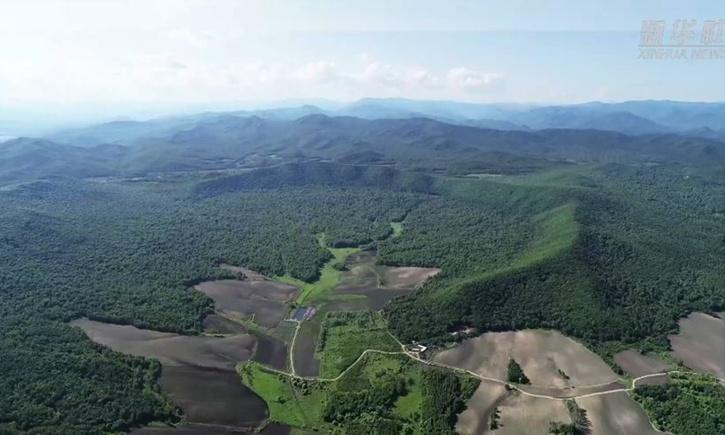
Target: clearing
x=259 y=300
x=700 y=343
x=549 y=359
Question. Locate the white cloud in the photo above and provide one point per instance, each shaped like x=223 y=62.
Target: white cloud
x=193 y=39
x=468 y=80
x=174 y=76
x=318 y=72
x=420 y=77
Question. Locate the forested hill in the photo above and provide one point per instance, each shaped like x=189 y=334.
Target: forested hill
x=607 y=237
x=233 y=142
x=611 y=255
x=608 y=253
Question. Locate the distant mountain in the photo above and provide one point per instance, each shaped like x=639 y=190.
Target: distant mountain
x=416 y=141
x=632 y=117
x=130 y=132
x=27 y=159
x=707 y=133
x=222 y=141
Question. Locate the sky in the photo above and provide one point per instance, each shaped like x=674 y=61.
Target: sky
x=103 y=58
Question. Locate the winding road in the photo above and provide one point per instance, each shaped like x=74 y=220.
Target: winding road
x=480 y=377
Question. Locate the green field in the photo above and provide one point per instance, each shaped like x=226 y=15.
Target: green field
x=346 y=335
x=330 y=275
x=380 y=392
x=291 y=401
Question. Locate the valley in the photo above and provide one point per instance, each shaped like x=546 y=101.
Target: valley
x=325 y=294
x=311 y=217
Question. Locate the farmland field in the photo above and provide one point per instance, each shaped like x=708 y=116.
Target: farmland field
x=529 y=415
x=616 y=413
x=197 y=371
x=540 y=282
x=261 y=301
x=212 y=396
x=548 y=358
x=171 y=349
x=636 y=364
x=701 y=343
x=476 y=418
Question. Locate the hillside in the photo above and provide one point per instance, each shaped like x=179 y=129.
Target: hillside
x=603 y=236
x=588 y=266
x=228 y=141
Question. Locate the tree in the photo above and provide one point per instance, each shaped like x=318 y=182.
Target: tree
x=516 y=373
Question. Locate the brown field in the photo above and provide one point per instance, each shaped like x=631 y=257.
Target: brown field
x=541 y=353
x=616 y=413
x=171 y=349
x=216 y=324
x=364 y=272
x=377 y=297
x=475 y=418
x=524 y=415
x=361 y=271
x=306 y=362
x=260 y=300
x=407 y=277
x=212 y=396
x=700 y=343
x=636 y=364
x=197 y=373
x=271 y=351
x=248 y=273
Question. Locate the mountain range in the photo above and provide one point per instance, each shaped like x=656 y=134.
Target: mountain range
x=455 y=136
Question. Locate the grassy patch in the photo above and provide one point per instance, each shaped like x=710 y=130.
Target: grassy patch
x=397 y=228
x=346 y=335
x=408 y=406
x=330 y=276
x=380 y=394
x=290 y=400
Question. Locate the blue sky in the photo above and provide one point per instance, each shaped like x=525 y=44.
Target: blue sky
x=134 y=57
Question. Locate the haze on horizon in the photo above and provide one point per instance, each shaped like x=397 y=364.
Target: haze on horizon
x=85 y=60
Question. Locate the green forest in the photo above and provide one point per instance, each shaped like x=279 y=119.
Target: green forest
x=610 y=254
x=689 y=404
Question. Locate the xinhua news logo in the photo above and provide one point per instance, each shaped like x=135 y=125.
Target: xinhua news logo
x=685 y=39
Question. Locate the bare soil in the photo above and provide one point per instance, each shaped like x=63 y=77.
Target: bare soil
x=216 y=324
x=171 y=349
x=271 y=351
x=548 y=358
x=525 y=415
x=261 y=300
x=616 y=413
x=475 y=419
x=364 y=272
x=377 y=297
x=636 y=364
x=407 y=277
x=248 y=273
x=213 y=396
x=700 y=343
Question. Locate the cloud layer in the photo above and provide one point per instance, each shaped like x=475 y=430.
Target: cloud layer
x=73 y=75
